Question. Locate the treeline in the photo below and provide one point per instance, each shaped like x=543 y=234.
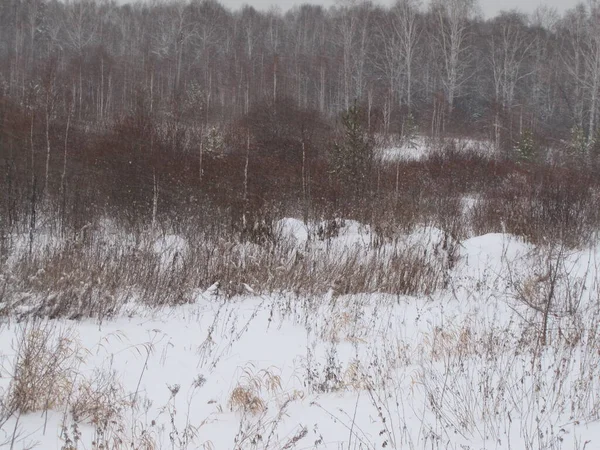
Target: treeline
x=198 y=62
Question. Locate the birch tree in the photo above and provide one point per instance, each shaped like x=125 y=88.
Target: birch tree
x=509 y=48
x=451 y=36
x=406 y=30
x=591 y=58
x=581 y=58
x=573 y=28
x=81 y=28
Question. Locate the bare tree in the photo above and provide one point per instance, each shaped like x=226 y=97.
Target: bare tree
x=80 y=26
x=510 y=46
x=574 y=32
x=407 y=31
x=591 y=58
x=451 y=35
x=116 y=59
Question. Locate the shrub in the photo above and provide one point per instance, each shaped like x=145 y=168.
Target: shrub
x=43 y=372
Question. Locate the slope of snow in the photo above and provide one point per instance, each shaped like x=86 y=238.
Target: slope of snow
x=293 y=229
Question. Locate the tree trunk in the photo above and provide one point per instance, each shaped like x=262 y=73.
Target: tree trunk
x=245 y=198
x=64 y=172
x=47 y=150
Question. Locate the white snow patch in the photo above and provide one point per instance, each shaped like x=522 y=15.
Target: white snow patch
x=423 y=147
x=416 y=151
x=293 y=229
x=351 y=234
x=171 y=249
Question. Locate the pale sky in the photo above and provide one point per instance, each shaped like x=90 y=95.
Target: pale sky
x=489 y=7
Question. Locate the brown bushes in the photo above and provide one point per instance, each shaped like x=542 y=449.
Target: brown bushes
x=542 y=204
x=144 y=174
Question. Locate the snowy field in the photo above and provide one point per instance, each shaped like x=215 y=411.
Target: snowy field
x=468 y=366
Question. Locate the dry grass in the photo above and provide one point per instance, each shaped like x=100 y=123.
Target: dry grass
x=244 y=399
x=95 y=279
x=44 y=376
x=45 y=368
x=100 y=400
x=466 y=376
x=95 y=268
x=247 y=396
x=354 y=376
x=443 y=341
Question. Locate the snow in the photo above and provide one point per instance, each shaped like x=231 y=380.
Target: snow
x=170 y=249
x=350 y=234
x=423 y=147
x=492 y=252
x=338 y=235
x=418 y=150
x=360 y=371
x=42 y=244
x=293 y=229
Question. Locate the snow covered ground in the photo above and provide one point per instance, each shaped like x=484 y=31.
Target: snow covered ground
x=463 y=368
x=423 y=146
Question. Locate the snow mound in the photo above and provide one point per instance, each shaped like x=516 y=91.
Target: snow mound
x=292 y=229
x=493 y=249
x=171 y=248
x=430 y=237
x=489 y=259
x=42 y=245
x=432 y=243
x=415 y=152
x=352 y=234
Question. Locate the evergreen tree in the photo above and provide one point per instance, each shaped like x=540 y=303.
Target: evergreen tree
x=409 y=132
x=214 y=142
x=526 y=148
x=352 y=155
x=595 y=144
x=579 y=144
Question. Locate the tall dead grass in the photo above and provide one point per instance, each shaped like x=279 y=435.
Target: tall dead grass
x=44 y=370
x=90 y=270
x=95 y=279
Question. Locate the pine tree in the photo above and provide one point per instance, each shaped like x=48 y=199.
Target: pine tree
x=409 y=132
x=526 y=148
x=352 y=156
x=595 y=145
x=579 y=144
x=214 y=142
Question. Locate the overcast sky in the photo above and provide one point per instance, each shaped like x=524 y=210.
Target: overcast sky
x=489 y=7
